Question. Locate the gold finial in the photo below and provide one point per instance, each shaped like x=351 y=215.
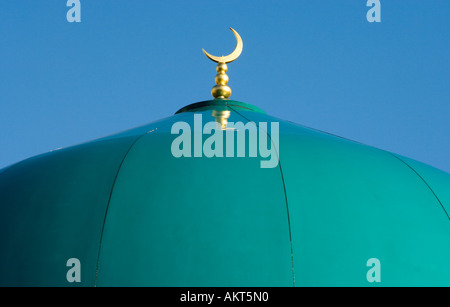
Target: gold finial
x=221 y=90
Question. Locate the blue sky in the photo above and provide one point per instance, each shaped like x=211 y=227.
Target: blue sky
x=318 y=63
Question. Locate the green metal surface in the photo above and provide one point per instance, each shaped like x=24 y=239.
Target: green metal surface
x=437 y=180
x=349 y=203
x=194 y=221
x=137 y=216
x=52 y=208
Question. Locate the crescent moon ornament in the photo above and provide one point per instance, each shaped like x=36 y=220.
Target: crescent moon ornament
x=232 y=56
x=221 y=90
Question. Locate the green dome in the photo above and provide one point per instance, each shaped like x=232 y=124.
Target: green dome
x=134 y=215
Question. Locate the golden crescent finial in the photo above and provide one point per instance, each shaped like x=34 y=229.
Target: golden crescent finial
x=232 y=56
x=221 y=90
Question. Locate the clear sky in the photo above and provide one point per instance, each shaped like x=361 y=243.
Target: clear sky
x=319 y=63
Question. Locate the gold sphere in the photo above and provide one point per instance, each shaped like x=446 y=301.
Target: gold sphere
x=221 y=91
x=222 y=67
x=221 y=79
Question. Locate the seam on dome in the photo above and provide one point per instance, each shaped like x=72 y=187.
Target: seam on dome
x=424 y=181
x=111 y=193
x=109 y=201
x=285 y=194
x=110 y=197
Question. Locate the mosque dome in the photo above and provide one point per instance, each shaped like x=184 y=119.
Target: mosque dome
x=312 y=211
x=134 y=214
